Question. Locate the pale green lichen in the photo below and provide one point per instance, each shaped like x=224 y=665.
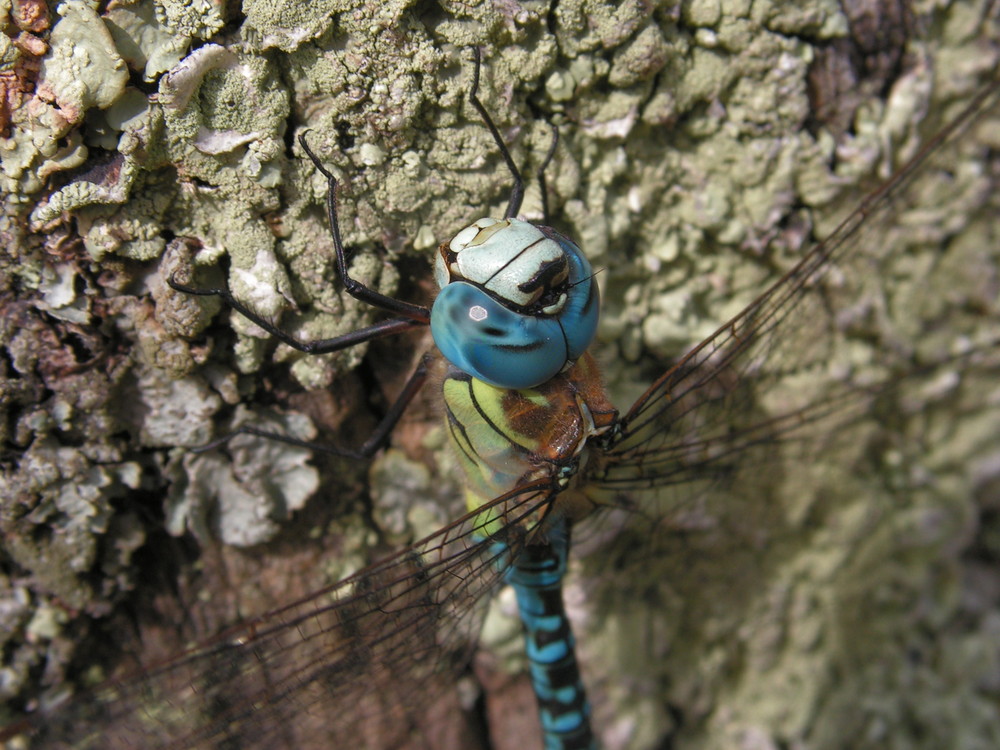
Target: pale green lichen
x=83 y=68
x=402 y=485
x=243 y=498
x=83 y=194
x=9 y=54
x=287 y=24
x=134 y=233
x=58 y=290
x=78 y=497
x=356 y=538
x=196 y=19
x=142 y=41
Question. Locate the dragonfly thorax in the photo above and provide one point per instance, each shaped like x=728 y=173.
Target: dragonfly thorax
x=518 y=302
x=505 y=438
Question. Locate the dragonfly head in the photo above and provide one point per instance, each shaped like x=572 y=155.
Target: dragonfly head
x=518 y=302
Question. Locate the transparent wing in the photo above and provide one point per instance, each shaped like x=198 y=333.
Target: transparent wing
x=764 y=506
x=706 y=412
x=361 y=662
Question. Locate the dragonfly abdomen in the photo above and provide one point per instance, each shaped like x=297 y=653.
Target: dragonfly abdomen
x=536 y=577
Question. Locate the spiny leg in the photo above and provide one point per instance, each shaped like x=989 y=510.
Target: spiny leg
x=355 y=288
x=541 y=172
x=323 y=346
x=368 y=449
x=517 y=189
x=410 y=315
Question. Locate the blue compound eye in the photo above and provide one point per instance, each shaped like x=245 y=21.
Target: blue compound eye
x=517 y=302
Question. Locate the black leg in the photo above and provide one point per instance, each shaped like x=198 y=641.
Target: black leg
x=410 y=316
x=517 y=189
x=371 y=446
x=323 y=346
x=355 y=288
x=541 y=173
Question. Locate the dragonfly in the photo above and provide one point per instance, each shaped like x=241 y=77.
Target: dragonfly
x=402 y=624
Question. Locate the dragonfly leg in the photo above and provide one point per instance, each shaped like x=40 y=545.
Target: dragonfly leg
x=409 y=316
x=368 y=449
x=418 y=313
x=322 y=346
x=517 y=189
x=541 y=172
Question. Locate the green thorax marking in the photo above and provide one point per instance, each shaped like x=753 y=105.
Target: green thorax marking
x=507 y=438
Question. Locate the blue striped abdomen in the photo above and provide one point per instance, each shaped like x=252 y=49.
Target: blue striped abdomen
x=536 y=576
